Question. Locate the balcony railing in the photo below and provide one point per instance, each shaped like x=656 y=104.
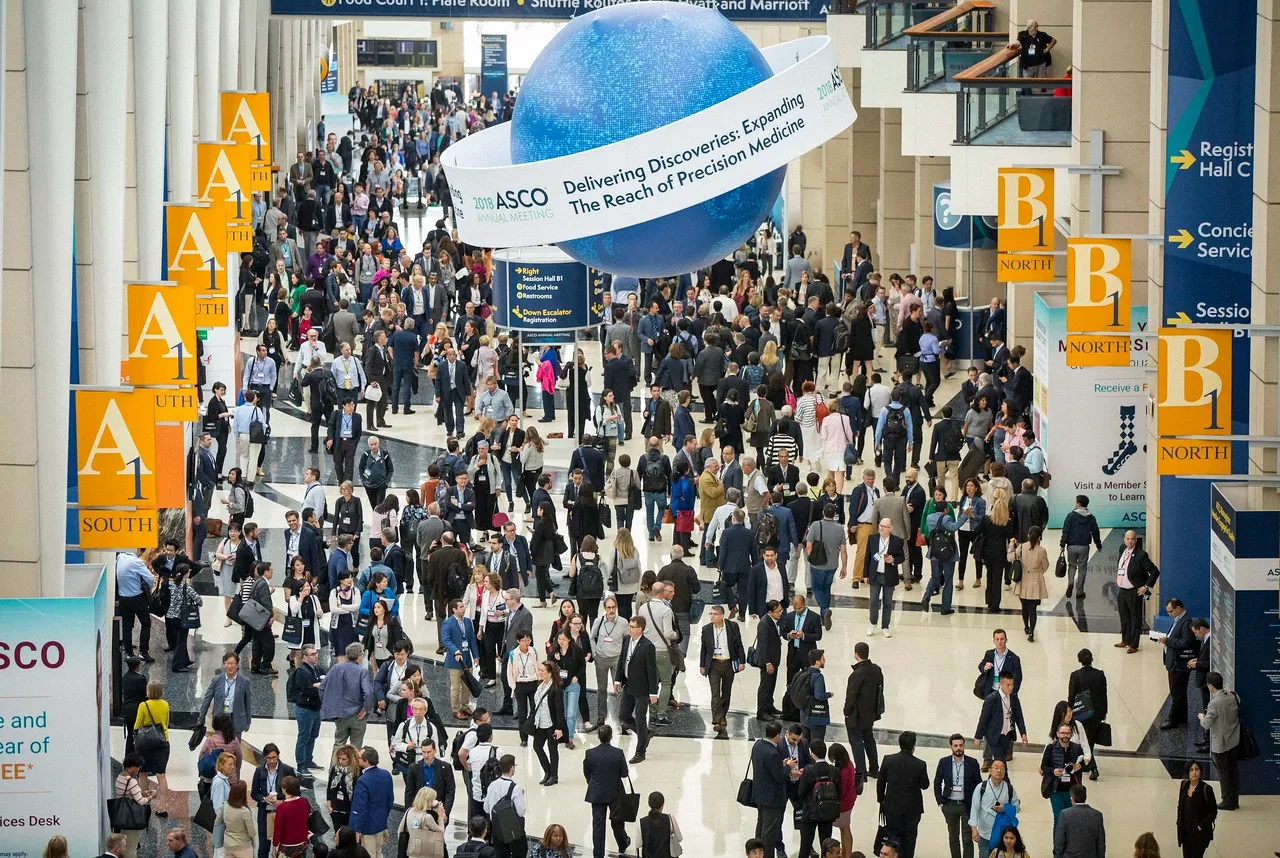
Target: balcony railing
x=992 y=92
x=950 y=42
x=887 y=20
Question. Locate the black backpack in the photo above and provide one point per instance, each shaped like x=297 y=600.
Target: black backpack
x=652 y=477
x=842 y=337
x=767 y=530
x=824 y=802
x=248 y=503
x=895 y=424
x=800 y=691
x=490 y=771
x=456 y=580
x=328 y=392
x=506 y=824
x=590 y=580
x=456 y=749
x=942 y=544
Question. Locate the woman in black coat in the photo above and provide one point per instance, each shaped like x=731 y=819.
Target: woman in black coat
x=318 y=415
x=544 y=551
x=729 y=428
x=585 y=520
x=348 y=517
x=997 y=529
x=862 y=341
x=1197 y=810
x=547 y=708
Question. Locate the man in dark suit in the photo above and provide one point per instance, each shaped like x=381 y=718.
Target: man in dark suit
x=519 y=621
x=885 y=553
x=1199 y=664
x=770 y=774
x=517 y=545
x=954 y=781
x=899 y=791
x=737 y=553
x=769 y=656
x=1135 y=576
x=248 y=554
x=1180 y=646
x=343 y=439
x=997 y=660
x=377 y=369
x=620 y=376
x=722 y=657
x=767 y=576
x=801 y=631
x=1000 y=720
x=311 y=546
x=862 y=698
x=604 y=767
x=637 y=683
x=916 y=499
x=205 y=480
x=265 y=789
x=453 y=386
x=1080 y=832
x=1093 y=682
x=433 y=771
x=657 y=414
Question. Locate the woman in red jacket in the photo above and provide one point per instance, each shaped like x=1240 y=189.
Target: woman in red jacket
x=291 y=832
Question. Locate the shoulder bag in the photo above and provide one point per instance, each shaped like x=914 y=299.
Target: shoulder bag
x=254 y=615
x=1247 y=748
x=149 y=737
x=258 y=430
x=635 y=500
x=673 y=651
x=629 y=803
x=744 y=788
x=126 y=814
x=1016 y=568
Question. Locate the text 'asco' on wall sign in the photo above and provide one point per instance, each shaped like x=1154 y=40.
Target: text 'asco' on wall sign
x=1025 y=232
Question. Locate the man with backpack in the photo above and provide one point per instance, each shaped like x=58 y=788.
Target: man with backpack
x=655 y=482
x=447 y=569
x=895 y=434
x=819 y=794
x=504 y=804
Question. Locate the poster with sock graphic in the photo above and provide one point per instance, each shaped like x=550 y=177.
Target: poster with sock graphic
x=1091 y=422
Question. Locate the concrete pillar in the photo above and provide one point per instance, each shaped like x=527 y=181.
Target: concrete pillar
x=894 y=220
x=1112 y=88
x=285 y=142
x=275 y=86
x=864 y=167
x=228 y=47
x=813 y=205
x=1264 y=373
x=941 y=264
x=247 y=51
x=150 y=91
x=262 y=11
x=1157 y=130
x=182 y=98
x=106 y=73
x=837 y=169
x=208 y=71
x=49 y=37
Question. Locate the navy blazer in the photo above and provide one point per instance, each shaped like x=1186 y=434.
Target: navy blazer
x=858 y=500
x=258 y=787
x=810 y=630
x=942 y=779
x=990 y=721
x=241 y=708
x=758 y=589
x=738 y=552
x=1012 y=663
x=523 y=558
x=896 y=550
x=733 y=644
x=461 y=378
x=604 y=767
x=768 y=642
x=371 y=801
x=1181 y=644
x=311 y=550
x=769 y=776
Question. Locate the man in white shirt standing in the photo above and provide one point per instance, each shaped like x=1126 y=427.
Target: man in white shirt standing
x=313 y=495
x=348 y=373
x=310 y=349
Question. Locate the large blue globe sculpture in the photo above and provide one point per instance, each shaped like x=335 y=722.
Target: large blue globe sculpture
x=628 y=69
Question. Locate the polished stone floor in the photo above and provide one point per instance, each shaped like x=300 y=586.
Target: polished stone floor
x=929 y=665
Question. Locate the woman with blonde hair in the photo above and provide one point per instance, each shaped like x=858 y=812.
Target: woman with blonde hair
x=485 y=360
x=770 y=360
x=57 y=847
x=341 y=784
x=155 y=760
x=625 y=571
x=1146 y=846
x=424 y=823
x=998 y=535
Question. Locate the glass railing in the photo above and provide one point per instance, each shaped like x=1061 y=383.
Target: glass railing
x=996 y=107
x=950 y=42
x=887 y=20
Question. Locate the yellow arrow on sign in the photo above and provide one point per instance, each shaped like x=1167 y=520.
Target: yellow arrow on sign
x=1182 y=238
x=1186 y=159
x=1178 y=319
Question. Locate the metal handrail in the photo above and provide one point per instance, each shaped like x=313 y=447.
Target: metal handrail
x=880 y=14
x=937 y=22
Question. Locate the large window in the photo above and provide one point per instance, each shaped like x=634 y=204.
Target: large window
x=398 y=53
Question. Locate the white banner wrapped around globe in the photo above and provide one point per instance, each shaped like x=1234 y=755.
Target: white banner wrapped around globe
x=681 y=164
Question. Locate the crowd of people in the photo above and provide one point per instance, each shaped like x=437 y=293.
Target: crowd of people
x=767 y=497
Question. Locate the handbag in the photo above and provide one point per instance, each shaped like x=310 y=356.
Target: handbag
x=150 y=736
x=673 y=651
x=1082 y=706
x=1016 y=569
x=128 y=815
x=295 y=392
x=980 y=687
x=1060 y=570
x=921 y=542
x=197 y=736
x=473 y=684
x=606 y=515
x=205 y=816
x=159 y=600
x=1247 y=748
x=190 y=616
x=213 y=528
x=668 y=517
x=373 y=392
x=629 y=803
x=635 y=500
x=753 y=656
x=316 y=823
x=258 y=431
x=1103 y=736
x=850 y=449
x=744 y=789
x=254 y=615
x=292 y=633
